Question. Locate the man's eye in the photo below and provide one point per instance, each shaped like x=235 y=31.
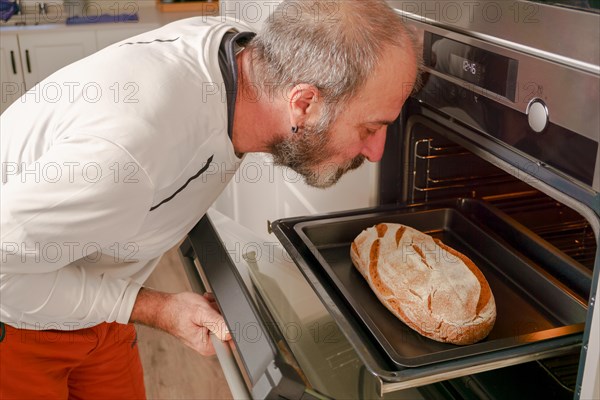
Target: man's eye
x=368 y=132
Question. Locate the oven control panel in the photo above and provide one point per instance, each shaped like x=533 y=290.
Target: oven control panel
x=482 y=68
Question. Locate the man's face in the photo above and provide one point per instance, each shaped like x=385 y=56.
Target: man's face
x=323 y=153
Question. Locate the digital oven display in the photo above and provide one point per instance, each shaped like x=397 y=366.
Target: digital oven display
x=470 y=71
x=471 y=64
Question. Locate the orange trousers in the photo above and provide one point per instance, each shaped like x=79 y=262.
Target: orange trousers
x=101 y=362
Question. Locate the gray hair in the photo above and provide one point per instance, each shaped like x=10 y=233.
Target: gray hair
x=333 y=45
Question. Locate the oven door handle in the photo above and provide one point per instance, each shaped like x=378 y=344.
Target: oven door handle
x=252 y=361
x=232 y=374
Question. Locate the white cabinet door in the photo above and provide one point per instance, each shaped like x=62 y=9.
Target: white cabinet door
x=106 y=37
x=45 y=53
x=11 y=74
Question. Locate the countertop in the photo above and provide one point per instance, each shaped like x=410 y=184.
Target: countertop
x=148 y=14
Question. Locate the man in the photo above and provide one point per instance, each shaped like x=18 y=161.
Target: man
x=96 y=187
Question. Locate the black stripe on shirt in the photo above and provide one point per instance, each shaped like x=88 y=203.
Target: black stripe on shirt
x=185 y=184
x=153 y=41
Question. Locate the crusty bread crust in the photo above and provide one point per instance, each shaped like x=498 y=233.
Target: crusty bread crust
x=432 y=288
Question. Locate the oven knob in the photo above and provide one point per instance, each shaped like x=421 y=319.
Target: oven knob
x=537 y=115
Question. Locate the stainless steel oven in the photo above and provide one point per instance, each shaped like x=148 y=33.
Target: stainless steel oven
x=498 y=155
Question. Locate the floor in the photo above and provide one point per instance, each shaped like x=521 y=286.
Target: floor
x=172 y=370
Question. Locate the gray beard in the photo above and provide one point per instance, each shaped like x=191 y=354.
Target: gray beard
x=307 y=152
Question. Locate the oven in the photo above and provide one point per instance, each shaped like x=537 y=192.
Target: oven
x=498 y=156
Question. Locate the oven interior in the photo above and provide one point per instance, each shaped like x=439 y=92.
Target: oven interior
x=437 y=168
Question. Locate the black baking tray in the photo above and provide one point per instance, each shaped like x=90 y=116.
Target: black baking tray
x=531 y=304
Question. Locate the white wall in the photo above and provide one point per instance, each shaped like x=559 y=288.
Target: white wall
x=260 y=192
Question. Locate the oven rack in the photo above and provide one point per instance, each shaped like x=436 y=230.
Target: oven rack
x=428 y=175
x=553 y=222
x=563 y=370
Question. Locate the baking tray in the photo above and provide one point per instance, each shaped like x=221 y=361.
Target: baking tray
x=530 y=303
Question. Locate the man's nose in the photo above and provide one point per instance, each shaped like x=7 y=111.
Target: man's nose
x=374 y=145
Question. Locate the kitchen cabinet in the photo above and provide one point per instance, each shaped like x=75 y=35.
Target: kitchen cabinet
x=27 y=57
x=11 y=73
x=44 y=53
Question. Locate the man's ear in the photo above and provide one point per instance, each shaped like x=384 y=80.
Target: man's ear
x=303 y=104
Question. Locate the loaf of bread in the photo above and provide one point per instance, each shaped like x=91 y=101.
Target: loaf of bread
x=432 y=288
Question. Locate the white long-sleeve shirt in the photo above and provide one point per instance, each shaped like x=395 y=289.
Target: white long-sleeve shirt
x=106 y=164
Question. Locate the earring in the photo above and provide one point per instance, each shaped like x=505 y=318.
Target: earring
x=294 y=129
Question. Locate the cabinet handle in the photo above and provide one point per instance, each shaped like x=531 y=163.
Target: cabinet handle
x=13 y=63
x=27 y=60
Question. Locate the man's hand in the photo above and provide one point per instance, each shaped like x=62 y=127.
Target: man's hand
x=187 y=316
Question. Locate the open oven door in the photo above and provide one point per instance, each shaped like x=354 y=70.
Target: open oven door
x=252 y=365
